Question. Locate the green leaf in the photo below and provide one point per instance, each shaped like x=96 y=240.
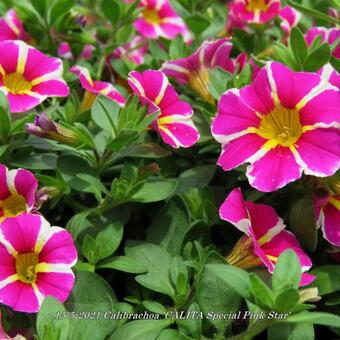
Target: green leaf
x=192 y=325
x=234 y=277
x=51 y=323
x=155 y=191
x=302 y=222
x=318 y=58
x=141 y=329
x=146 y=150
x=298 y=45
x=287 y=273
x=197 y=23
x=154 y=307
x=157 y=52
x=287 y=300
x=327 y=279
x=111 y=10
x=262 y=294
x=286 y=331
x=317 y=318
x=104 y=113
x=58 y=9
x=124 y=138
x=218 y=81
x=5 y=117
x=123 y=263
x=91 y=293
x=157 y=262
x=169 y=226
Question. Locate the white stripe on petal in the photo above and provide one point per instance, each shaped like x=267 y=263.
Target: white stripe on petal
x=40 y=297
x=22 y=57
x=136 y=82
x=44 y=267
x=164 y=86
x=174 y=67
x=8 y=280
x=272 y=83
x=10 y=178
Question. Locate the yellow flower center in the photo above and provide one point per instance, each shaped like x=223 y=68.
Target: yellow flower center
x=16 y=83
x=13 y=205
x=282 y=126
x=151 y=16
x=25 y=266
x=199 y=82
x=256 y=5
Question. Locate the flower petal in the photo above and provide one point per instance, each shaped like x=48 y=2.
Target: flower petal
x=25 y=184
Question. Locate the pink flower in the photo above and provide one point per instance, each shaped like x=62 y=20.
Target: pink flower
x=327 y=214
x=174 y=122
x=329 y=73
x=64 y=51
x=95 y=87
x=87 y=52
x=244 y=12
x=283 y=124
x=17 y=191
x=11 y=27
x=133 y=51
x=28 y=77
x=158 y=19
x=290 y=18
x=265 y=238
x=36 y=261
x=194 y=70
x=329 y=35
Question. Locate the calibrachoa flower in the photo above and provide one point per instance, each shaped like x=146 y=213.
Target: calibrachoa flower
x=283 y=124
x=11 y=27
x=174 y=122
x=28 y=77
x=95 y=87
x=290 y=18
x=17 y=191
x=330 y=73
x=36 y=261
x=158 y=19
x=64 y=51
x=243 y=12
x=87 y=52
x=194 y=70
x=329 y=35
x=265 y=238
x=133 y=51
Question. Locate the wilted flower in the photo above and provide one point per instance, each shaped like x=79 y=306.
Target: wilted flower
x=17 y=191
x=158 y=19
x=174 y=122
x=46 y=128
x=95 y=87
x=329 y=35
x=11 y=27
x=28 y=76
x=36 y=261
x=194 y=70
x=265 y=238
x=283 y=124
x=64 y=51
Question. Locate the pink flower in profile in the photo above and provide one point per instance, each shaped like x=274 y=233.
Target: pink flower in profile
x=245 y=12
x=174 y=122
x=329 y=35
x=158 y=19
x=194 y=70
x=95 y=87
x=36 y=261
x=64 y=51
x=290 y=18
x=133 y=51
x=265 y=238
x=17 y=191
x=87 y=52
x=283 y=124
x=28 y=77
x=11 y=27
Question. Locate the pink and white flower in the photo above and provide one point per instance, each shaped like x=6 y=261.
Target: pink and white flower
x=87 y=52
x=95 y=87
x=28 y=77
x=36 y=261
x=64 y=51
x=133 y=51
x=327 y=214
x=329 y=35
x=245 y=12
x=11 y=27
x=17 y=191
x=158 y=19
x=265 y=235
x=329 y=73
x=174 y=122
x=194 y=70
x=290 y=18
x=283 y=124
